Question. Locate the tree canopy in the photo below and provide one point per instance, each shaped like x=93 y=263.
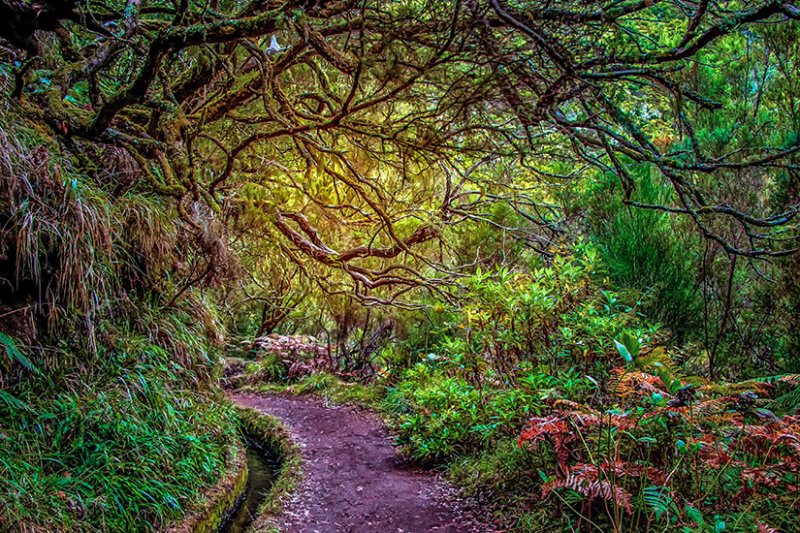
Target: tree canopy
x=542 y=232
x=356 y=136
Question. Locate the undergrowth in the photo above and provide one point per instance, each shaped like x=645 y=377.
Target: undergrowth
x=328 y=387
x=550 y=400
x=124 y=448
x=108 y=421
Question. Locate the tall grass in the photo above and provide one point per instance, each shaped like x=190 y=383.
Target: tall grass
x=108 y=421
x=71 y=248
x=124 y=448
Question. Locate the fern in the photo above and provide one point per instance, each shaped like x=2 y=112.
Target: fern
x=790 y=400
x=714 y=406
x=658 y=500
x=585 y=479
x=792 y=379
x=15 y=354
x=695 y=515
x=657 y=361
x=12 y=401
x=626 y=384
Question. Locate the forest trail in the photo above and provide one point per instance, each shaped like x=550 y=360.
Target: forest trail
x=353 y=479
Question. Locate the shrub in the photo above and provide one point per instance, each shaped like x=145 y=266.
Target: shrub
x=611 y=434
x=560 y=316
x=641 y=250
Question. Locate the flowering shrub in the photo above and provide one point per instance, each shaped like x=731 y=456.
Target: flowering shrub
x=290 y=356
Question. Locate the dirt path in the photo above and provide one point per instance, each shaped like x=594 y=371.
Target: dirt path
x=353 y=480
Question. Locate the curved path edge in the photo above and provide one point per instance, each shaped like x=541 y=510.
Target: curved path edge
x=353 y=479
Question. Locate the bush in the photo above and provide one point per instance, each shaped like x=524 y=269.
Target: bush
x=642 y=250
x=611 y=434
x=442 y=417
x=667 y=454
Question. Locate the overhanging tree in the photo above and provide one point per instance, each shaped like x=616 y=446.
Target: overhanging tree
x=355 y=135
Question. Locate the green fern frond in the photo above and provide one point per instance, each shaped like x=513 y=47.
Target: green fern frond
x=14 y=354
x=12 y=401
x=658 y=500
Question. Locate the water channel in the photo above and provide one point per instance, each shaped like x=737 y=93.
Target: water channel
x=263 y=466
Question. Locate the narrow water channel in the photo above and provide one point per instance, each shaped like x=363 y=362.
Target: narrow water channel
x=263 y=466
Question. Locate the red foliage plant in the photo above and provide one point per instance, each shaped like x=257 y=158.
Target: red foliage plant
x=677 y=452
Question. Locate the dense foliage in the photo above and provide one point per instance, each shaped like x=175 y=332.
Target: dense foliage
x=602 y=417
x=107 y=421
x=555 y=241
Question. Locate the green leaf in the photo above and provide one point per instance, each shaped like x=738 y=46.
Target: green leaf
x=14 y=354
x=695 y=515
x=13 y=401
x=657 y=499
x=623 y=351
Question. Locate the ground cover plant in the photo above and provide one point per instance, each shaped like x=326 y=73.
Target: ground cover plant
x=554 y=243
x=581 y=417
x=124 y=450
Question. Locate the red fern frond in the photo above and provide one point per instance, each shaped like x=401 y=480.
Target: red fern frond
x=763 y=527
x=714 y=406
x=555 y=429
x=620 y=469
x=540 y=428
x=585 y=479
x=627 y=383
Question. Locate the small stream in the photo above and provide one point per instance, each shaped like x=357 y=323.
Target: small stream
x=263 y=466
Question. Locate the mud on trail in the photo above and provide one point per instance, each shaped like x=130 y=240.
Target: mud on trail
x=353 y=481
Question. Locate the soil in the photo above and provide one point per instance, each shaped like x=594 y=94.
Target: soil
x=353 y=480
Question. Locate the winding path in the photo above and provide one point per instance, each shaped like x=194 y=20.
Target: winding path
x=353 y=480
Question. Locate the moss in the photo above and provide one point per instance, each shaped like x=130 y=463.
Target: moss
x=274 y=435
x=220 y=500
x=328 y=387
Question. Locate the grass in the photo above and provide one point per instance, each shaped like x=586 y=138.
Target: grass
x=211 y=509
x=642 y=250
x=107 y=419
x=327 y=387
x=121 y=446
